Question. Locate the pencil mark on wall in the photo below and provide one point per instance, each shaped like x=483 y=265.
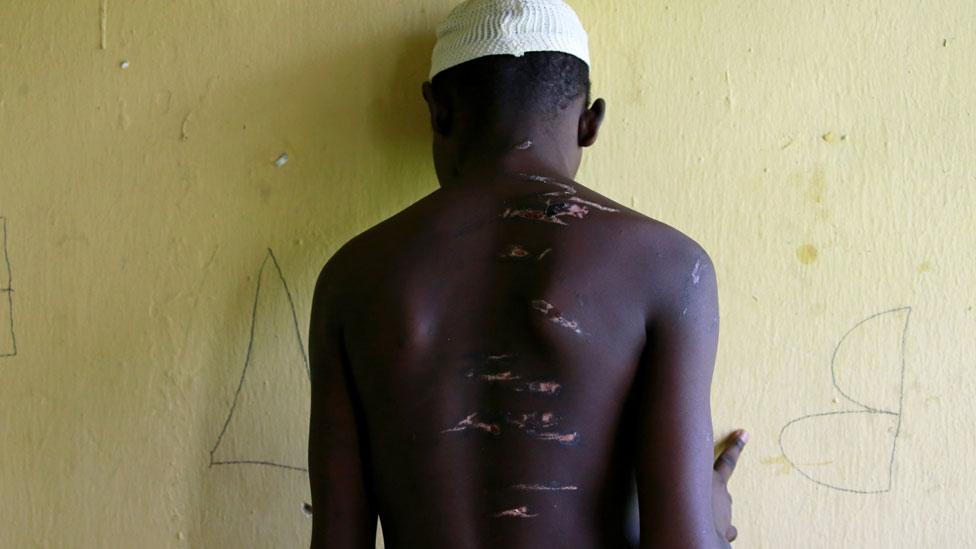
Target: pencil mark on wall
x=8 y=340
x=275 y=340
x=853 y=450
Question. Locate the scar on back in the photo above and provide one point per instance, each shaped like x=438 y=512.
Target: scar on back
x=533 y=422
x=554 y=316
x=518 y=512
x=494 y=378
x=471 y=423
x=508 y=377
x=557 y=204
x=600 y=207
x=566 y=439
x=548 y=487
x=517 y=251
x=551 y=212
x=541 y=426
x=490 y=373
x=551 y=388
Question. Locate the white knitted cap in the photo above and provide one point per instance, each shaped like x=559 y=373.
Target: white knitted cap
x=478 y=28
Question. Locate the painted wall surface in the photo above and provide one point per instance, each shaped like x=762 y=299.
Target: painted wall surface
x=823 y=151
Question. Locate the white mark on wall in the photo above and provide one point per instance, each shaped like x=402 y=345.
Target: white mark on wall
x=124 y=64
x=281 y=160
x=103 y=15
x=730 y=96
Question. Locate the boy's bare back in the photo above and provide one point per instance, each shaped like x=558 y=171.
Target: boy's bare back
x=503 y=354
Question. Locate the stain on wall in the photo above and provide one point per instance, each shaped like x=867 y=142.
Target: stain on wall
x=822 y=152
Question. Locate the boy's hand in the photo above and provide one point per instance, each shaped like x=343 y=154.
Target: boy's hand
x=721 y=499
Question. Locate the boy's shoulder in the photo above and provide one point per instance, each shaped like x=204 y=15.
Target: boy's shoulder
x=656 y=241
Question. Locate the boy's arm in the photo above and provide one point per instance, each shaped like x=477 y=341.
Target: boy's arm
x=343 y=514
x=675 y=450
x=724 y=467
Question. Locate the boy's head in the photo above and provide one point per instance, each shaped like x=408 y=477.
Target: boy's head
x=541 y=84
x=505 y=73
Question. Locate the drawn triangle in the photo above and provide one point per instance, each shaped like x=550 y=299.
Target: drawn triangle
x=267 y=423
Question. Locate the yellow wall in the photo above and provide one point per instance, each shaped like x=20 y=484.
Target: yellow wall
x=823 y=151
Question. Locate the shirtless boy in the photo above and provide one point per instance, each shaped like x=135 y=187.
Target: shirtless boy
x=503 y=362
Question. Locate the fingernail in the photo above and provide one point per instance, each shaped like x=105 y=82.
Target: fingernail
x=744 y=436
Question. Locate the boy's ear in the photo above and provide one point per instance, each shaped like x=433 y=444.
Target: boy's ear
x=590 y=122
x=440 y=113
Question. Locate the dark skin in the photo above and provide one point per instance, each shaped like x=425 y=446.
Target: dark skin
x=495 y=365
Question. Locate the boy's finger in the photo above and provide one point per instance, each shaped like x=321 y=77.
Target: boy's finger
x=726 y=461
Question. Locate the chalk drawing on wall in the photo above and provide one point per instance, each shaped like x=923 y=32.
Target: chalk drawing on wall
x=267 y=424
x=854 y=450
x=8 y=340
